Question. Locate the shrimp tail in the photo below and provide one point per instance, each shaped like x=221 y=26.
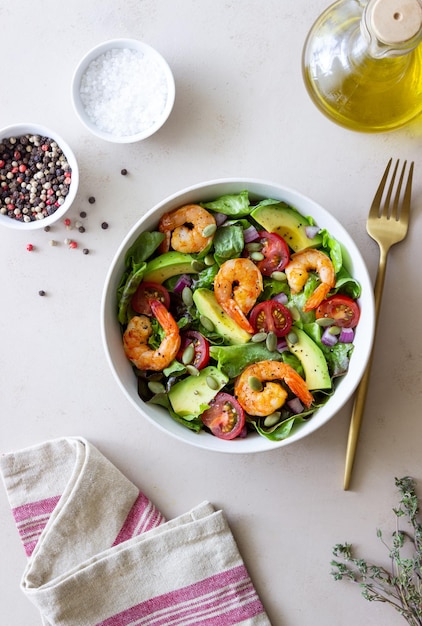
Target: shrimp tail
x=317 y=297
x=234 y=311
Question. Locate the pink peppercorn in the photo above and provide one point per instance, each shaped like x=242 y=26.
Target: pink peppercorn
x=67 y=222
x=22 y=167
x=73 y=244
x=29 y=247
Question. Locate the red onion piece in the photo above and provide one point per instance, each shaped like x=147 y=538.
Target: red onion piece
x=250 y=234
x=184 y=281
x=280 y=297
x=328 y=339
x=347 y=335
x=295 y=405
x=312 y=231
x=282 y=345
x=220 y=218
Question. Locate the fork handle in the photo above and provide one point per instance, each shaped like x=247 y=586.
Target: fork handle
x=360 y=397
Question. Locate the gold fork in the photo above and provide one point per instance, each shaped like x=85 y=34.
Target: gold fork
x=387 y=224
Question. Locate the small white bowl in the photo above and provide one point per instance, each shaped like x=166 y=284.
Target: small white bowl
x=146 y=106
x=20 y=130
x=258 y=189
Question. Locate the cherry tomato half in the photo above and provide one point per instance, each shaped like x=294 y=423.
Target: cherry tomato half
x=145 y=293
x=271 y=316
x=200 y=345
x=275 y=251
x=225 y=418
x=343 y=310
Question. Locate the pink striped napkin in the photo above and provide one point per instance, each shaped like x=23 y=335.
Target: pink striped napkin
x=100 y=553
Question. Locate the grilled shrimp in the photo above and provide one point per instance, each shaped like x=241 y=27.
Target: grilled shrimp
x=137 y=333
x=236 y=287
x=273 y=395
x=297 y=274
x=184 y=228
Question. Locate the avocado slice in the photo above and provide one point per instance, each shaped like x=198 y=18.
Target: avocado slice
x=207 y=305
x=282 y=219
x=312 y=359
x=192 y=395
x=167 y=265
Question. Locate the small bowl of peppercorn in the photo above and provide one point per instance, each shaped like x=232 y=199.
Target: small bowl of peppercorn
x=39 y=176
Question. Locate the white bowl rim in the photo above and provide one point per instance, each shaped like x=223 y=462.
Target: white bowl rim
x=33 y=128
x=95 y=52
x=254 y=443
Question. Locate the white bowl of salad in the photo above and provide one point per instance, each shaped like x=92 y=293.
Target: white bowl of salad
x=238 y=316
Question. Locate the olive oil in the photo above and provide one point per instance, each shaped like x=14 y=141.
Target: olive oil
x=358 y=81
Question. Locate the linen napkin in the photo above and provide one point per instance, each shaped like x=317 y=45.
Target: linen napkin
x=100 y=553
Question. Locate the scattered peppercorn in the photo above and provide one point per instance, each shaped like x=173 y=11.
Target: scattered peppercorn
x=81 y=229
x=123 y=172
x=91 y=200
x=29 y=247
x=73 y=244
x=85 y=251
x=104 y=225
x=46 y=229
x=41 y=292
x=82 y=214
x=67 y=222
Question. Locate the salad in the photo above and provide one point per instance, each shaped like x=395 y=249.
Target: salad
x=237 y=317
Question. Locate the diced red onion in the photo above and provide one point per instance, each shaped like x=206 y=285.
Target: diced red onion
x=220 y=218
x=312 y=231
x=295 y=405
x=250 y=234
x=280 y=297
x=328 y=339
x=184 y=281
x=282 y=345
x=347 y=335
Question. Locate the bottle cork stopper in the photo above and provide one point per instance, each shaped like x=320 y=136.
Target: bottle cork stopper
x=395 y=21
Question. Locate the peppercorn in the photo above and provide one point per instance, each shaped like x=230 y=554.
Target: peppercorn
x=82 y=214
x=85 y=251
x=123 y=172
x=104 y=225
x=41 y=292
x=91 y=200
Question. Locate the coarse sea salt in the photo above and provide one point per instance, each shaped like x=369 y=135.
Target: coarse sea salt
x=124 y=91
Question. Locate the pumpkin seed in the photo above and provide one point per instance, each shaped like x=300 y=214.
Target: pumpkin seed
x=206 y=323
x=280 y=276
x=191 y=369
x=156 y=387
x=212 y=383
x=292 y=337
x=197 y=266
x=188 y=354
x=254 y=383
x=259 y=337
x=334 y=330
x=209 y=260
x=272 y=419
x=187 y=296
x=294 y=311
x=271 y=341
x=209 y=230
x=254 y=246
x=324 y=321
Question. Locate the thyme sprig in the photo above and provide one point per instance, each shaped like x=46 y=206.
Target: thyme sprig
x=401 y=586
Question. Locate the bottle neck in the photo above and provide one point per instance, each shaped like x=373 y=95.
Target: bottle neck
x=392 y=28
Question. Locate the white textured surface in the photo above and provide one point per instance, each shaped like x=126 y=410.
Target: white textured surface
x=241 y=110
